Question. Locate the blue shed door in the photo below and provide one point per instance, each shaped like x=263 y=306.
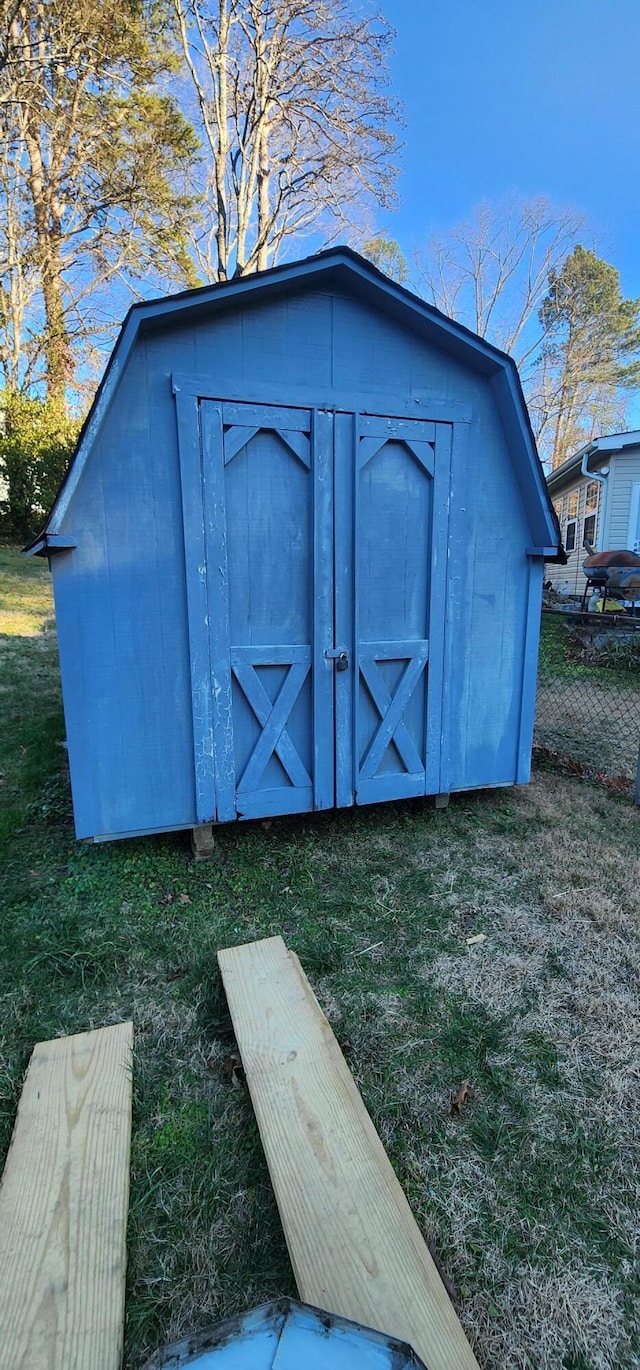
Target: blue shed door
x=316 y=553
x=392 y=490
x=267 y=475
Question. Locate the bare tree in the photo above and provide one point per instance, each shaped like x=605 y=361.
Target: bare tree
x=292 y=110
x=491 y=272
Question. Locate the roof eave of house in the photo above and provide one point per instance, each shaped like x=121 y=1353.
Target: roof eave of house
x=606 y=445
x=571 y=466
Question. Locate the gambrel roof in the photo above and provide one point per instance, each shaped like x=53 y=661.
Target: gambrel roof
x=343 y=267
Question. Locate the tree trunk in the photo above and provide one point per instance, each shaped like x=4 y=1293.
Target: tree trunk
x=262 y=260
x=220 y=160
x=57 y=348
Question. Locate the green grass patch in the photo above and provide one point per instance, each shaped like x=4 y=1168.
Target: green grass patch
x=528 y=1192
x=559 y=650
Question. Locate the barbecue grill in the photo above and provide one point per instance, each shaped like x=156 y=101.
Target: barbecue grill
x=614 y=573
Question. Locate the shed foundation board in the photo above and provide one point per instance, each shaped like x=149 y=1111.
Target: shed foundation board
x=203 y=842
x=63 y=1207
x=355 y=1247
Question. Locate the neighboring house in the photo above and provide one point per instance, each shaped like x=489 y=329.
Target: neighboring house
x=596 y=495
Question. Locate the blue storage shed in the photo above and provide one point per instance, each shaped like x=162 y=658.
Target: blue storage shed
x=297 y=559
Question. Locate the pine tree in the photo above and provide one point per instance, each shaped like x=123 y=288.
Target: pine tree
x=592 y=338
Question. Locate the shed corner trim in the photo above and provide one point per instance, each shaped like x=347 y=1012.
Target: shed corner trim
x=36 y=549
x=49 y=543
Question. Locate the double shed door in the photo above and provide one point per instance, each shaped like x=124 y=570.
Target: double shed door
x=316 y=548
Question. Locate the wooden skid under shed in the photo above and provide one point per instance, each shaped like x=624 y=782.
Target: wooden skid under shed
x=354 y=1244
x=63 y=1206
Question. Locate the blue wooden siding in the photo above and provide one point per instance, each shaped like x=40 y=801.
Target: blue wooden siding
x=123 y=598
x=120 y=601
x=486 y=620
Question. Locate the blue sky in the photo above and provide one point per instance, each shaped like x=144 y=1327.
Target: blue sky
x=540 y=98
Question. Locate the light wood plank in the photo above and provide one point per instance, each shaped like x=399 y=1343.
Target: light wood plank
x=354 y=1245
x=63 y=1206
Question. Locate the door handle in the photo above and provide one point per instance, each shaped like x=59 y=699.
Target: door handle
x=339 y=655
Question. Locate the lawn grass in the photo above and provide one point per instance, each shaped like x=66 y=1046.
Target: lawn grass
x=25 y=598
x=530 y=1194
x=558 y=649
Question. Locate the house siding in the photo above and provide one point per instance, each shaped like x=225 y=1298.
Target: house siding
x=569 y=579
x=625 y=469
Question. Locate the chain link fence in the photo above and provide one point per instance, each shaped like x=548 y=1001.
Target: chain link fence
x=588 y=698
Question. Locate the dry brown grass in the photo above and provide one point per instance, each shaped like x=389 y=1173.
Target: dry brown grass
x=560 y=966
x=26 y=600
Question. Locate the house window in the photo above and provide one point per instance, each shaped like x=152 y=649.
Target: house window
x=571 y=531
x=591 y=512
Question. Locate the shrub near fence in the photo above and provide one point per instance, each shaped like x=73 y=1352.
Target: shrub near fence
x=588 y=699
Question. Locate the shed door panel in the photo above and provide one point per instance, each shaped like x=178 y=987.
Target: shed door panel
x=316 y=553
x=394 y=467
x=259 y=470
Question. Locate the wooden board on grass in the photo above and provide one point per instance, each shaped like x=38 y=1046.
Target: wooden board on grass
x=353 y=1241
x=63 y=1206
